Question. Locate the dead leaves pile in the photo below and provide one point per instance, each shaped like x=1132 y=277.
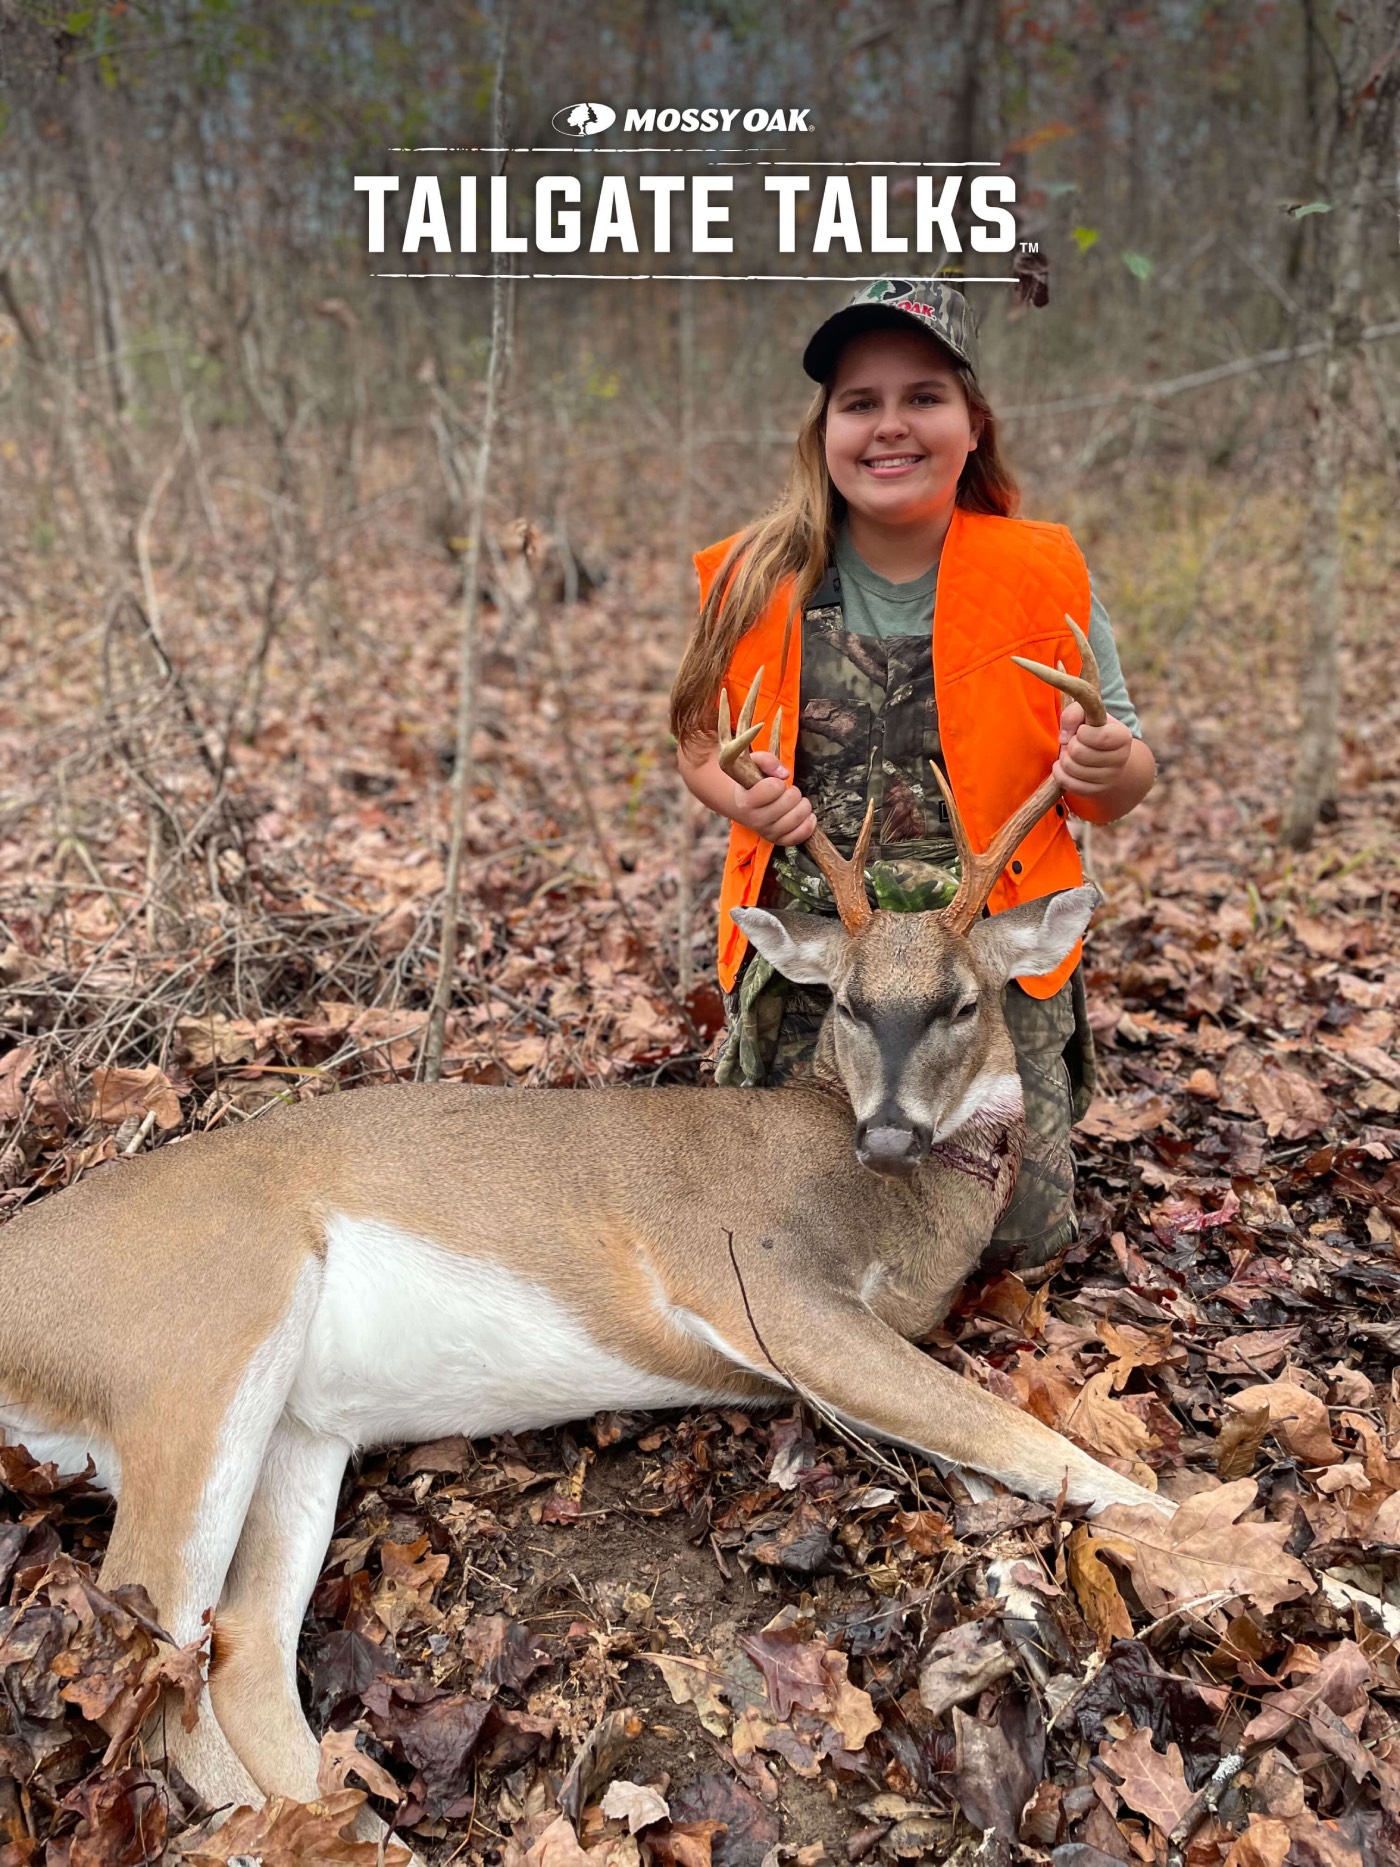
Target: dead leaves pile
x=734 y=1642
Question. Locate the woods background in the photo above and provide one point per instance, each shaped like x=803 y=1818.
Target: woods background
x=243 y=576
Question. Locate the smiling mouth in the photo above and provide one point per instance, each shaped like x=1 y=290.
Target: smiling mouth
x=891 y=463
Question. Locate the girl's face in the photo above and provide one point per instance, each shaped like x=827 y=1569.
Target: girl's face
x=898 y=428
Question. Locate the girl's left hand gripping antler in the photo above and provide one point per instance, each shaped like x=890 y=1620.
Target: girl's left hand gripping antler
x=981 y=872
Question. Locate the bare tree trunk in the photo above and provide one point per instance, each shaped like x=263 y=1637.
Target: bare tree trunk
x=50 y=354
x=466 y=641
x=109 y=327
x=1368 y=69
x=969 y=131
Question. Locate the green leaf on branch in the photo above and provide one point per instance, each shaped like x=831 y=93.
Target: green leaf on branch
x=1085 y=237
x=1138 y=264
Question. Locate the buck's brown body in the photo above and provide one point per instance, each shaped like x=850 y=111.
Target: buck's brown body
x=223 y=1323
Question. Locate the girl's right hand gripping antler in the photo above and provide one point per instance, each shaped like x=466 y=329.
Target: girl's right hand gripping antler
x=846 y=879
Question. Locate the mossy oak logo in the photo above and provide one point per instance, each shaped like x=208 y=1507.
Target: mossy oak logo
x=584 y=119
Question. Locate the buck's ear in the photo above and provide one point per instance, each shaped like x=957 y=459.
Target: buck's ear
x=1035 y=937
x=805 y=948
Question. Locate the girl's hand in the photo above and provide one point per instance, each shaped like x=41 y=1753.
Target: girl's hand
x=776 y=809
x=1092 y=758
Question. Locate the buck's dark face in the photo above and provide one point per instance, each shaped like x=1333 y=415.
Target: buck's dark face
x=916 y=1024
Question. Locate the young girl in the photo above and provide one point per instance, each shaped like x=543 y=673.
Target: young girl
x=882 y=597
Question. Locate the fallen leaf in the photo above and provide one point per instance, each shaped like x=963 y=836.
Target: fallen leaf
x=340 y=1755
x=1122 y=1119
x=598 y=1756
x=1204 y=1550
x=637 y=1804
x=925 y=1531
x=791 y=1666
x=849 y=1710
x=1252 y=1351
x=117 y=1094
x=284 y=1833
x=1339 y=1683
x=998 y=1761
x=1105 y=1424
x=742 y=1830
x=961 y=1664
x=1265 y=1843
x=558 y=1847
x=215 y=1038
x=122 y=1822
x=1095 y=1590
x=503 y=1651
x=1341 y=1741
x=1297 y=1419
x=692 y=1682
x=437 y=1732
x=15 y=1065
x=1242 y=1432
x=1151 y=1784
x=1291 y=1106
x=685 y=1844
x=1175 y=1710
x=804 y=1545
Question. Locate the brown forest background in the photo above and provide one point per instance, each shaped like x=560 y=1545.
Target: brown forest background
x=245 y=789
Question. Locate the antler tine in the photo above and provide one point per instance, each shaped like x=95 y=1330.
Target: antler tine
x=1084 y=689
x=734 y=742
x=846 y=879
x=980 y=873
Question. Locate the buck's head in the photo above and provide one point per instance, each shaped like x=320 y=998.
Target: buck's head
x=915 y=1031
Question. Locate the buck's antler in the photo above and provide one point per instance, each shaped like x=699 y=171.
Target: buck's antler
x=846 y=879
x=980 y=873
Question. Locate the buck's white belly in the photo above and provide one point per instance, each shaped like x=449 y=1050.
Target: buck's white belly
x=69 y=1451
x=410 y=1341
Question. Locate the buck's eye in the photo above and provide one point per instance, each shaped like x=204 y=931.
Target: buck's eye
x=966 y=1013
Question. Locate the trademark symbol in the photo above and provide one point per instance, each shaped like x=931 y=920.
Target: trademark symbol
x=1030 y=246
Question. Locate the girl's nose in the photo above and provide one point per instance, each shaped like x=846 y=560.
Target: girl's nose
x=892 y=421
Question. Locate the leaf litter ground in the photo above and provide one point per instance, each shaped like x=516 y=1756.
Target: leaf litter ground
x=731 y=1638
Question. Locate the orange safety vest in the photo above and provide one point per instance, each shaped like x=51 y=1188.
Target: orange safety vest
x=1005 y=587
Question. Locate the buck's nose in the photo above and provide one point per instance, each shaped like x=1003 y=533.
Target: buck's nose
x=890 y=1147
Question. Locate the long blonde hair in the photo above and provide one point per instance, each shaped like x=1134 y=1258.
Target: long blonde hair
x=796 y=538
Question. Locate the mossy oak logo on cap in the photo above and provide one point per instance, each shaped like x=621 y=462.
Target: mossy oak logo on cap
x=584 y=119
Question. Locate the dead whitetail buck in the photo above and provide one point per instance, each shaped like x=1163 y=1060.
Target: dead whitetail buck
x=224 y=1323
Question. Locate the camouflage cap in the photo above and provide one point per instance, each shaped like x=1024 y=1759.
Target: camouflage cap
x=935 y=307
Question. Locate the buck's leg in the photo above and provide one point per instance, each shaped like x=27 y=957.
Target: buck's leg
x=254 y=1679
x=188 y=1475
x=182 y=1579
x=840 y=1351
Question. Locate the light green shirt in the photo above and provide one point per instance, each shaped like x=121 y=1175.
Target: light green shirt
x=872 y=605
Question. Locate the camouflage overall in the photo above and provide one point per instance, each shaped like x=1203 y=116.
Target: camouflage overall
x=868 y=729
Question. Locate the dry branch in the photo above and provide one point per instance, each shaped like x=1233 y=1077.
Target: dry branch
x=471 y=600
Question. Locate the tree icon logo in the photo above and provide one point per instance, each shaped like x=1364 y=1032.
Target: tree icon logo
x=584 y=119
